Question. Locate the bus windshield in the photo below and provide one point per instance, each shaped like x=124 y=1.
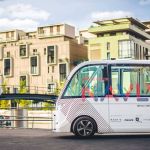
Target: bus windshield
x=90 y=78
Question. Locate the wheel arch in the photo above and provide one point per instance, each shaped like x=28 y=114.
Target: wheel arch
x=71 y=128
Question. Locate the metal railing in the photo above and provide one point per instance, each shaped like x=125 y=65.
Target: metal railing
x=27 y=118
x=28 y=89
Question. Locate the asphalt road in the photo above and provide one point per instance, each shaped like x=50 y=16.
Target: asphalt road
x=27 y=139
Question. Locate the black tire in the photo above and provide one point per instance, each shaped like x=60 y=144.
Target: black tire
x=84 y=127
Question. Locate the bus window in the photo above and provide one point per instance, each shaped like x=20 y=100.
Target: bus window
x=132 y=80
x=115 y=80
x=137 y=80
x=89 y=78
x=145 y=80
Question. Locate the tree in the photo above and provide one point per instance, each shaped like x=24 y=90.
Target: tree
x=50 y=106
x=23 y=89
x=60 y=87
x=4 y=103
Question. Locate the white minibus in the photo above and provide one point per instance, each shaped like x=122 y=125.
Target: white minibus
x=109 y=96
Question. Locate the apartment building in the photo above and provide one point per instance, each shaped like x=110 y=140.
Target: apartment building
x=123 y=38
x=42 y=58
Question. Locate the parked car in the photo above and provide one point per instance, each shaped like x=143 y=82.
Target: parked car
x=5 y=121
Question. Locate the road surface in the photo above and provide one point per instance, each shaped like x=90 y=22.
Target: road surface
x=28 y=139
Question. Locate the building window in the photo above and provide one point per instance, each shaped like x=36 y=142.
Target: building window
x=113 y=34
x=15 y=90
x=53 y=69
x=140 y=57
x=146 y=54
x=34 y=63
x=108 y=45
x=126 y=49
x=51 y=87
x=51 y=54
x=137 y=51
x=8 y=90
x=58 y=29
x=7 y=35
x=44 y=51
x=51 y=29
x=34 y=50
x=23 y=51
x=62 y=72
x=12 y=34
x=48 y=69
x=7 y=67
x=108 y=55
x=8 y=54
x=23 y=80
x=41 y=30
x=1 y=53
x=86 y=41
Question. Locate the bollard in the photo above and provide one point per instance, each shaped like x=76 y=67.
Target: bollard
x=19 y=115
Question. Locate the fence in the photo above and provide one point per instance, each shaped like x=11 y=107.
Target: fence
x=31 y=117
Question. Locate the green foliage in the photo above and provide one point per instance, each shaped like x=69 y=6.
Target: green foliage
x=4 y=89
x=60 y=87
x=23 y=89
x=4 y=103
x=50 y=106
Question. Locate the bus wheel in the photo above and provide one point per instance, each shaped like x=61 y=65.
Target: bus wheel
x=84 y=127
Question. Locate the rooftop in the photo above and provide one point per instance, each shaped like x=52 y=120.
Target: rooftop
x=120 y=20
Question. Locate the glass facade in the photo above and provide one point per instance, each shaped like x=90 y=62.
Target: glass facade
x=126 y=49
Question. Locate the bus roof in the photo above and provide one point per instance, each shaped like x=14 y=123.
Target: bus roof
x=127 y=61
x=107 y=62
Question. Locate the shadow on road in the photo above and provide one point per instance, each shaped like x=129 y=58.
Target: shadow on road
x=106 y=137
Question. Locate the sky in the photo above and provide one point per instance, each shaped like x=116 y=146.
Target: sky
x=29 y=14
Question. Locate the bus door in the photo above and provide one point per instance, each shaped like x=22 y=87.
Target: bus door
x=129 y=103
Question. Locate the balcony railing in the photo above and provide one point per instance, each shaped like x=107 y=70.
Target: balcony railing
x=43 y=35
x=8 y=39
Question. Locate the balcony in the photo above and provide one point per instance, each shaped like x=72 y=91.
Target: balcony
x=139 y=31
x=47 y=35
x=122 y=27
x=101 y=29
x=8 y=39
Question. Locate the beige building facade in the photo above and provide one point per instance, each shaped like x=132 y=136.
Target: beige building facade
x=42 y=59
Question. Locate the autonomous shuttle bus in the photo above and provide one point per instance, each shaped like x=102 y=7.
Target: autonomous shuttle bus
x=105 y=97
